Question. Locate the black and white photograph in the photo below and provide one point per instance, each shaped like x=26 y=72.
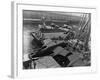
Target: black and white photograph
x=56 y=39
